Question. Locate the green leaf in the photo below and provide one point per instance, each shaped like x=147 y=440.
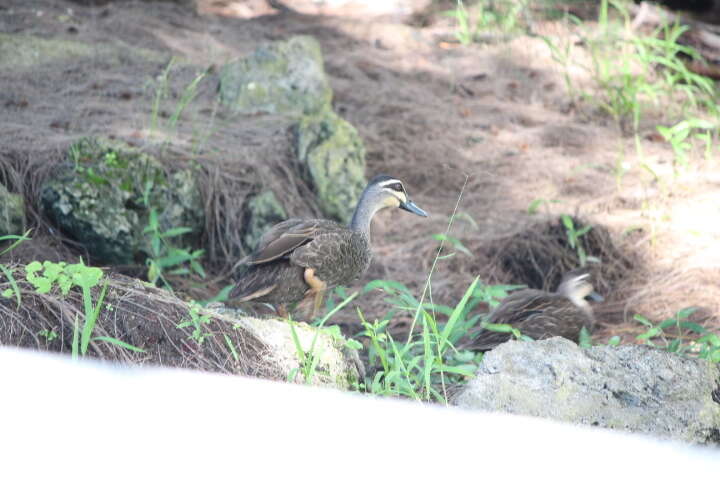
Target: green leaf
x=232 y=347
x=535 y=205
x=175 y=232
x=498 y=327
x=119 y=343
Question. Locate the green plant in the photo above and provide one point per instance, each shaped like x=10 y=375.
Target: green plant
x=197 y=320
x=500 y=15
x=164 y=257
x=465 y=33
x=423 y=366
x=49 y=335
x=674 y=335
x=679 y=136
x=48 y=275
x=573 y=236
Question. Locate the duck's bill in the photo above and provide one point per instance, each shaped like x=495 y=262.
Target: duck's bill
x=412 y=208
x=596 y=297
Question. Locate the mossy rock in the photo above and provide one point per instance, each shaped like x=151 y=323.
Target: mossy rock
x=332 y=155
x=263 y=211
x=100 y=200
x=12 y=213
x=281 y=77
x=336 y=366
x=20 y=51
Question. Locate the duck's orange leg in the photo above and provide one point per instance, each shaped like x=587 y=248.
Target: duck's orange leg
x=317 y=288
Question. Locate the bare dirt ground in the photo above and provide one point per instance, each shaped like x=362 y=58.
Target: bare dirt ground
x=494 y=118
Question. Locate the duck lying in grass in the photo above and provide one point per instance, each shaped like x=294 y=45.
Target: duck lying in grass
x=298 y=259
x=539 y=314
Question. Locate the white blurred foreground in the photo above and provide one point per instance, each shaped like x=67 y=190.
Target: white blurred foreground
x=89 y=420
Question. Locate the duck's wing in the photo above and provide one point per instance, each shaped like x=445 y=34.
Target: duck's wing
x=282 y=239
x=328 y=245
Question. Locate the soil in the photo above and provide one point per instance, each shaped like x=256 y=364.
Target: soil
x=486 y=128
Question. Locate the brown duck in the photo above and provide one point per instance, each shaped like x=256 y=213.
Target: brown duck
x=298 y=258
x=539 y=314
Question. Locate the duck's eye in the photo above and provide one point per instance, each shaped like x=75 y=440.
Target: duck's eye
x=397 y=187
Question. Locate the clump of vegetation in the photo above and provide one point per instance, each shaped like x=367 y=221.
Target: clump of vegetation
x=681 y=336
x=635 y=74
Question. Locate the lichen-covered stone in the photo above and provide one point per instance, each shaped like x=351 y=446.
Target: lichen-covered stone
x=101 y=200
x=281 y=77
x=20 y=51
x=263 y=211
x=331 y=153
x=336 y=365
x=631 y=387
x=12 y=213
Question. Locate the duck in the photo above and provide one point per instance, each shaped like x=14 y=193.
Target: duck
x=539 y=314
x=299 y=259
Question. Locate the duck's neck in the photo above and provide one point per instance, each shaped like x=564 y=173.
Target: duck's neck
x=364 y=213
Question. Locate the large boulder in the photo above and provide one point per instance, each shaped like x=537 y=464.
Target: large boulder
x=332 y=157
x=630 y=387
x=281 y=77
x=12 y=212
x=105 y=198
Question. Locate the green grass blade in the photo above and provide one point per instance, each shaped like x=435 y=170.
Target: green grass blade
x=18 y=239
x=75 y=346
x=232 y=347
x=119 y=343
x=91 y=315
x=456 y=314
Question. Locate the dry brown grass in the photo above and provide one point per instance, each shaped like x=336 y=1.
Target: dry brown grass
x=138 y=314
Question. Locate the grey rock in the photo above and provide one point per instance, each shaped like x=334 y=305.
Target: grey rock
x=100 y=200
x=12 y=213
x=630 y=387
x=332 y=156
x=280 y=77
x=263 y=211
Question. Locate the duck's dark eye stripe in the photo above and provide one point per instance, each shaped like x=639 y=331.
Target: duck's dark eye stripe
x=396 y=186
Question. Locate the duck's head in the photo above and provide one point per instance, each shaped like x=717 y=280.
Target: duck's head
x=383 y=191
x=576 y=286
x=386 y=191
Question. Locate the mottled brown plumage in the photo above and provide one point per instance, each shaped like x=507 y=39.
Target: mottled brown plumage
x=539 y=314
x=298 y=258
